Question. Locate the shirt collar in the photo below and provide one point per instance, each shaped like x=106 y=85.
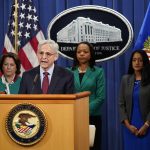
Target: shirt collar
x=4 y=80
x=50 y=70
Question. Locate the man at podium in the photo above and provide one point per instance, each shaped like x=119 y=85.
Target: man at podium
x=47 y=78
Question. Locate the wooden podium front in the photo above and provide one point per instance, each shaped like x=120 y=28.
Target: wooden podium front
x=67 y=118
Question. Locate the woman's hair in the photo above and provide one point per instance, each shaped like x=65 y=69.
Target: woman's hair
x=92 y=59
x=14 y=57
x=144 y=58
x=146 y=67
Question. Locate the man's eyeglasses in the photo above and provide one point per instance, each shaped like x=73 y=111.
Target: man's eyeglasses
x=47 y=54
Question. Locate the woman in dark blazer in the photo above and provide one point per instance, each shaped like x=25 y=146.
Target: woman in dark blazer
x=88 y=77
x=135 y=103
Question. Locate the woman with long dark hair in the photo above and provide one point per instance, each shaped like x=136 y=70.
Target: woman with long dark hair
x=135 y=103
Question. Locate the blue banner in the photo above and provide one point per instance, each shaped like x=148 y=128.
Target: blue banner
x=143 y=40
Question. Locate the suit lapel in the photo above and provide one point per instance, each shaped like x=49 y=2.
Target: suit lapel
x=131 y=83
x=76 y=78
x=130 y=88
x=37 y=88
x=86 y=77
x=54 y=80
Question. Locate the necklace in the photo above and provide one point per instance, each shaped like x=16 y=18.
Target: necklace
x=81 y=71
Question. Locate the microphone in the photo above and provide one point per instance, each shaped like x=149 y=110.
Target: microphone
x=35 y=78
x=34 y=81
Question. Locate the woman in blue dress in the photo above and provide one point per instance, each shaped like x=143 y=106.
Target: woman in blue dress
x=134 y=103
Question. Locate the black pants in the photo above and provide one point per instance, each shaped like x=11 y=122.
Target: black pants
x=96 y=120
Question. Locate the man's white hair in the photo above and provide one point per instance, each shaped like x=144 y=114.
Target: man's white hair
x=51 y=43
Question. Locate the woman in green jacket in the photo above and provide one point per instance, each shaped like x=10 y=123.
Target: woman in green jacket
x=88 y=77
x=10 y=69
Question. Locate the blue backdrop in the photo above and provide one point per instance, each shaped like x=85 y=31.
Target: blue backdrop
x=134 y=11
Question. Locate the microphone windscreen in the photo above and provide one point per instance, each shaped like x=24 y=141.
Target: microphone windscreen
x=35 y=78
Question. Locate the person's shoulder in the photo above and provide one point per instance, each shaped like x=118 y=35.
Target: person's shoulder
x=32 y=71
x=127 y=77
x=63 y=70
x=18 y=78
x=69 y=68
x=98 y=69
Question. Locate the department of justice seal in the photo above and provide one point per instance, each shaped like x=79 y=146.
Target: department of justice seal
x=26 y=124
x=106 y=29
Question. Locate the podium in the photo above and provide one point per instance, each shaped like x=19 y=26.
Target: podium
x=67 y=118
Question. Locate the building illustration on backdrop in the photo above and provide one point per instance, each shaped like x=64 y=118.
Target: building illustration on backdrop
x=85 y=29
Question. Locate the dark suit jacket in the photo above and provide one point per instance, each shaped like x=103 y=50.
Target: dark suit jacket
x=126 y=91
x=62 y=82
